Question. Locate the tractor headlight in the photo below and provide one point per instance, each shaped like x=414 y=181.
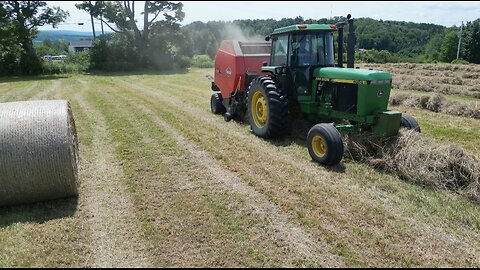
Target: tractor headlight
x=281 y=70
x=381 y=82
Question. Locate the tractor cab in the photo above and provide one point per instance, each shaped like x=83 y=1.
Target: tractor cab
x=299 y=50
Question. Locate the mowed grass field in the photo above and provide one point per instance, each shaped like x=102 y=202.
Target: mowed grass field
x=165 y=183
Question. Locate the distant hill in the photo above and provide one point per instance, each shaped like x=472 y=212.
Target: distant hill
x=63 y=34
x=405 y=38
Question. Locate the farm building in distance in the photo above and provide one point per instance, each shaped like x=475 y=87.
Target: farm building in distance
x=79 y=45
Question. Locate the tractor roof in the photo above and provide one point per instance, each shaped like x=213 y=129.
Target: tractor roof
x=304 y=27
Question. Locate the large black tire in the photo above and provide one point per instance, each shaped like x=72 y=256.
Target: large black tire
x=325 y=144
x=265 y=95
x=216 y=104
x=410 y=123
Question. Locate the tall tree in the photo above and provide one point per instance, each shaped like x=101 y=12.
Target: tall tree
x=472 y=42
x=448 y=50
x=23 y=18
x=432 y=49
x=120 y=17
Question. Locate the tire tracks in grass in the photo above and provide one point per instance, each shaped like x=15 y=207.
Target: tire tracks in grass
x=424 y=231
x=116 y=242
x=19 y=94
x=48 y=90
x=294 y=236
x=302 y=250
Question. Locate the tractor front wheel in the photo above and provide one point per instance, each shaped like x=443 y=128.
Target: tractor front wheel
x=216 y=104
x=410 y=123
x=325 y=144
x=267 y=108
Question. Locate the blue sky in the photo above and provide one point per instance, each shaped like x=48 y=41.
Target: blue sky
x=443 y=13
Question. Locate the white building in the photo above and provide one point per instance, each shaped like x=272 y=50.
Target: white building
x=79 y=45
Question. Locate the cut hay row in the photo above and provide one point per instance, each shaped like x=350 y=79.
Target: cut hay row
x=420 y=160
x=432 y=85
x=445 y=79
x=433 y=67
x=437 y=103
x=436 y=79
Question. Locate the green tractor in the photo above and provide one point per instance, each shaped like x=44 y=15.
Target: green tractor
x=303 y=81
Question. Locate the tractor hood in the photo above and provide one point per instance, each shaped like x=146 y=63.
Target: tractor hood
x=351 y=74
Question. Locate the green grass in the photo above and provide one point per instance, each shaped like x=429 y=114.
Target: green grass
x=448 y=129
x=197 y=135
x=187 y=217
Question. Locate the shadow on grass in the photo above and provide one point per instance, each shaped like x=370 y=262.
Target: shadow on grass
x=298 y=136
x=33 y=78
x=136 y=72
x=38 y=212
x=295 y=139
x=8 y=79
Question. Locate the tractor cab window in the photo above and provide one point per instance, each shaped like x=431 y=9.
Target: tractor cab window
x=312 y=49
x=280 y=50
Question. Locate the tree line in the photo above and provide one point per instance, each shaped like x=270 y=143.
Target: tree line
x=377 y=40
x=161 y=43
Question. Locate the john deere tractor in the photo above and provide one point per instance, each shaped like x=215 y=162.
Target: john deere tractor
x=298 y=77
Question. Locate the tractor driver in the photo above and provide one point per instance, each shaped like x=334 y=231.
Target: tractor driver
x=308 y=50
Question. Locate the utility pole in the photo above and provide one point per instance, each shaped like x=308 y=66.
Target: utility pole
x=459 y=40
x=101 y=21
x=91 y=16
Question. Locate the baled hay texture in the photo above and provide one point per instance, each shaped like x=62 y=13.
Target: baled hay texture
x=38 y=152
x=419 y=159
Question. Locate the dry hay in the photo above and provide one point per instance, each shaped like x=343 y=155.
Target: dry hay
x=420 y=160
x=437 y=103
x=38 y=152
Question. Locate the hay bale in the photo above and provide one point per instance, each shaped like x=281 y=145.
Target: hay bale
x=419 y=159
x=38 y=152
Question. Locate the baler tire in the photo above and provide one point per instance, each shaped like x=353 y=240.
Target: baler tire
x=325 y=144
x=273 y=97
x=216 y=104
x=410 y=123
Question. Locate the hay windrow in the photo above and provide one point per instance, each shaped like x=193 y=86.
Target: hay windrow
x=420 y=160
x=437 y=103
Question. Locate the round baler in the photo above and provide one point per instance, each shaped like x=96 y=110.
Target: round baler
x=38 y=152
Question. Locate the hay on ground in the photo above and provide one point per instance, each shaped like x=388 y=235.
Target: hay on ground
x=419 y=159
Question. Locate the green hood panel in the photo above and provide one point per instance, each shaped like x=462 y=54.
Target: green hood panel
x=351 y=74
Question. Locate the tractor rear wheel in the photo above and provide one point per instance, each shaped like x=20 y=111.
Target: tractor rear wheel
x=216 y=104
x=267 y=108
x=325 y=144
x=410 y=123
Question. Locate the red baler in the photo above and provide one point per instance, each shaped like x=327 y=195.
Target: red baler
x=237 y=63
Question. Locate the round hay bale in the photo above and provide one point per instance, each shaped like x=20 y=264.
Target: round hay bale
x=38 y=152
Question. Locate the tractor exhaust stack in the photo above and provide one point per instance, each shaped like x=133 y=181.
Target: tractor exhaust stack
x=351 y=42
x=340 y=27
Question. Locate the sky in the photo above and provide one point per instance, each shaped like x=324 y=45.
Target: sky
x=447 y=13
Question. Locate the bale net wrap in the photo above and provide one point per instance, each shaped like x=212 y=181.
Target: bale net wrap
x=38 y=152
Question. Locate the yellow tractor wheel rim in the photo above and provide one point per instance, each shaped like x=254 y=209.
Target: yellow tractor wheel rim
x=259 y=109
x=319 y=146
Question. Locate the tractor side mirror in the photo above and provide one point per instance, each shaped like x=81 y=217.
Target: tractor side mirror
x=265 y=63
x=267 y=38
